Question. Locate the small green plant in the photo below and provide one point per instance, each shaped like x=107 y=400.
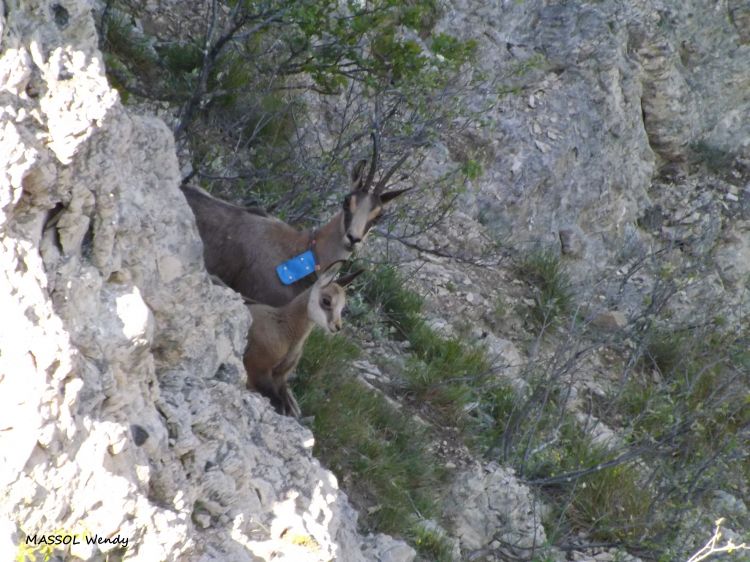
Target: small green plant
x=431 y=545
x=181 y=58
x=502 y=308
x=34 y=553
x=472 y=169
x=132 y=49
x=499 y=401
x=384 y=288
x=453 y=49
x=613 y=505
x=553 y=296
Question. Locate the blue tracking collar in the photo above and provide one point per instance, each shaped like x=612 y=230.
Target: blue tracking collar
x=296 y=268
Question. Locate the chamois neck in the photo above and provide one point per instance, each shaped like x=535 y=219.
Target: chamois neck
x=328 y=246
x=296 y=316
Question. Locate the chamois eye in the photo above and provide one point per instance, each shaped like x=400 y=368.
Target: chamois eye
x=326 y=301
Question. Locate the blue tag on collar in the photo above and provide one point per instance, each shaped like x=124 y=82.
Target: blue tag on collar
x=296 y=268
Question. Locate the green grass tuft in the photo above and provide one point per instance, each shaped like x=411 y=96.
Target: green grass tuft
x=385 y=288
x=431 y=545
x=553 y=295
x=379 y=453
x=608 y=503
x=181 y=58
x=446 y=373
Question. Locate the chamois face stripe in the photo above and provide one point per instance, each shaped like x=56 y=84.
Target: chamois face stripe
x=348 y=211
x=361 y=210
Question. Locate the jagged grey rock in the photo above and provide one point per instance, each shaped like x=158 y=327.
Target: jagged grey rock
x=119 y=359
x=505 y=355
x=489 y=509
x=611 y=94
x=122 y=406
x=610 y=320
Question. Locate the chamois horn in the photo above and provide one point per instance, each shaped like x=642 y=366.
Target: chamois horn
x=373 y=164
x=384 y=180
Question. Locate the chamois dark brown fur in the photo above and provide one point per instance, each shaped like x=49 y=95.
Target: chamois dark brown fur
x=243 y=248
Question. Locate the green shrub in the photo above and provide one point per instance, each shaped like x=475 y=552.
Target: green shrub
x=132 y=49
x=684 y=405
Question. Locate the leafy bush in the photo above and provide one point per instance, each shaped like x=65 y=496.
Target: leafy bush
x=241 y=91
x=431 y=545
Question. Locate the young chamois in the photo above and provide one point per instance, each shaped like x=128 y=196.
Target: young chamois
x=243 y=248
x=277 y=336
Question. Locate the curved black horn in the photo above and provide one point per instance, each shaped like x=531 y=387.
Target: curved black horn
x=327 y=276
x=344 y=280
x=373 y=164
x=384 y=180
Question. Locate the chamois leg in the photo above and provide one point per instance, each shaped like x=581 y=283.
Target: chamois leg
x=289 y=406
x=262 y=383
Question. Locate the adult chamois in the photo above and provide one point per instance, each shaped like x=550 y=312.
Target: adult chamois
x=245 y=249
x=277 y=336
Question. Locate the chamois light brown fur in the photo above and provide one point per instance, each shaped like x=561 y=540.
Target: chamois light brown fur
x=277 y=337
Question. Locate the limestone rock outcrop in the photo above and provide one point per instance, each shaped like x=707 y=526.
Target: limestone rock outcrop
x=491 y=512
x=122 y=409
x=591 y=101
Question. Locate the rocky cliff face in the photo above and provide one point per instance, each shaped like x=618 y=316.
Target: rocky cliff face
x=618 y=140
x=614 y=97
x=123 y=413
x=618 y=130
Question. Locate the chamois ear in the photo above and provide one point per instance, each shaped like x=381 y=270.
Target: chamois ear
x=346 y=279
x=327 y=276
x=389 y=195
x=358 y=175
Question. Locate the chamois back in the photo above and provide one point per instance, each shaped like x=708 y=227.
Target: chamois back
x=243 y=247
